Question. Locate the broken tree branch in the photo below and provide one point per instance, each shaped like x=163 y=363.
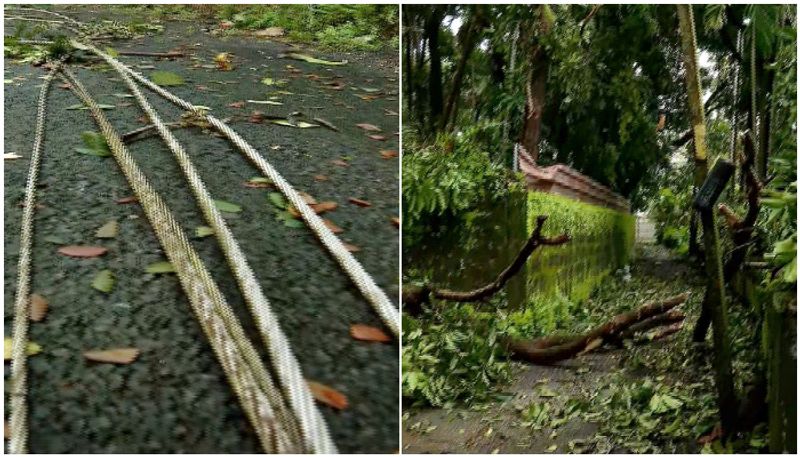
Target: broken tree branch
x=552 y=349
x=415 y=296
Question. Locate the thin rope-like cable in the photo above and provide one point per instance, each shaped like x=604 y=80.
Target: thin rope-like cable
x=377 y=298
x=312 y=424
x=245 y=372
x=18 y=443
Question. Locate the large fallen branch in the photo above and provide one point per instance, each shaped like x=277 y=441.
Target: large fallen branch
x=551 y=349
x=414 y=297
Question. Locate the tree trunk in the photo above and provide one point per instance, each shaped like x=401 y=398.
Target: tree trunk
x=432 y=26
x=468 y=43
x=715 y=293
x=535 y=89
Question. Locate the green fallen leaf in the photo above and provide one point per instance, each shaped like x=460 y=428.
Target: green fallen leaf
x=203 y=231
x=309 y=59
x=108 y=230
x=95 y=145
x=273 y=82
x=260 y=180
x=30 y=349
x=104 y=281
x=166 y=78
x=227 y=207
x=277 y=199
x=111 y=51
x=160 y=267
x=293 y=223
x=298 y=124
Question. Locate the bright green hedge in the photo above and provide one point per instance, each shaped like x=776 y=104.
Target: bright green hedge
x=559 y=276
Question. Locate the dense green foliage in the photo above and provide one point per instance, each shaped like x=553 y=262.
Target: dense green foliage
x=452 y=352
x=337 y=27
x=450 y=183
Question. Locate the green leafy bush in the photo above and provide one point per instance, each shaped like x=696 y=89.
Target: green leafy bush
x=452 y=354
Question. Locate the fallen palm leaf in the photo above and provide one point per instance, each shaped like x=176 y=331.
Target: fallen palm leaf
x=37 y=308
x=82 y=251
x=30 y=349
x=108 y=230
x=327 y=395
x=120 y=356
x=104 y=281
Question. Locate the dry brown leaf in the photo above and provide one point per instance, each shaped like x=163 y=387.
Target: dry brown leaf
x=396 y=221
x=359 y=202
x=236 y=105
x=332 y=227
x=388 y=154
x=293 y=211
x=320 y=178
x=6 y=430
x=322 y=207
x=327 y=395
x=377 y=137
x=256 y=185
x=122 y=356
x=126 y=200
x=363 y=332
x=351 y=247
x=340 y=163
x=256 y=117
x=82 y=251
x=308 y=198
x=369 y=127
x=37 y=308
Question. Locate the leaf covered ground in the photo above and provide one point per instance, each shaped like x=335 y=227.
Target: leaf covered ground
x=173 y=396
x=647 y=397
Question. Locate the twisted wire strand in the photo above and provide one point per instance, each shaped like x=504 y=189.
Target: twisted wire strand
x=18 y=444
x=289 y=374
x=363 y=281
x=245 y=372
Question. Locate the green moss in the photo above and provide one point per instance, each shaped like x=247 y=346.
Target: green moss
x=561 y=276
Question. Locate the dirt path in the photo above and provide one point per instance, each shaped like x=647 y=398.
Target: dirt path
x=501 y=427
x=174 y=397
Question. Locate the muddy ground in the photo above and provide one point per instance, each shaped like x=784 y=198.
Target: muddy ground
x=174 y=398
